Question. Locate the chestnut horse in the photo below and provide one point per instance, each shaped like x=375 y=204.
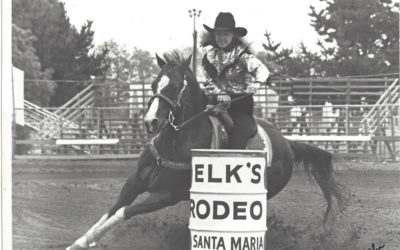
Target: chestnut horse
x=177 y=119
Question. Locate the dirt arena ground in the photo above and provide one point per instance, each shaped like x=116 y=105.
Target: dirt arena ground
x=54 y=202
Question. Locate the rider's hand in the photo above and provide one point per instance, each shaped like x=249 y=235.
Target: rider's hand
x=224 y=99
x=251 y=90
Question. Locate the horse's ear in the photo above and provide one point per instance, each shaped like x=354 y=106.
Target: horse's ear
x=187 y=61
x=160 y=61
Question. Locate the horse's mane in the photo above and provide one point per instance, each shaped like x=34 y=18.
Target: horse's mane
x=174 y=58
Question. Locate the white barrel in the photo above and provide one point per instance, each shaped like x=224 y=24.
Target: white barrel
x=228 y=199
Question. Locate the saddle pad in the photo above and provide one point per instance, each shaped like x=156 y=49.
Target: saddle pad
x=260 y=141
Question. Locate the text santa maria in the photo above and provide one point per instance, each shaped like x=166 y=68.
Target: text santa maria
x=201 y=241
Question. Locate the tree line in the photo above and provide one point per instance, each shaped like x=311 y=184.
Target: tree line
x=358 y=37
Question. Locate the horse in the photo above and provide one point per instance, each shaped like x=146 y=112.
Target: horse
x=178 y=123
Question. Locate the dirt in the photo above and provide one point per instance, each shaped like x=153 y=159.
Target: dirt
x=54 y=202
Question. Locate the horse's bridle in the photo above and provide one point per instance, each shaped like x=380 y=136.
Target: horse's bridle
x=178 y=103
x=172 y=106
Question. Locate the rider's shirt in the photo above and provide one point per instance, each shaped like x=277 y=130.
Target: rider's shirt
x=233 y=71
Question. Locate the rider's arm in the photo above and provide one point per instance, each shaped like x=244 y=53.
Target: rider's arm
x=211 y=87
x=256 y=69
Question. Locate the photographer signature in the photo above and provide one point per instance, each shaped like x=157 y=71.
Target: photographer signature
x=376 y=248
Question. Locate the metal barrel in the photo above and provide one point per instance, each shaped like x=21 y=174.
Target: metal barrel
x=228 y=199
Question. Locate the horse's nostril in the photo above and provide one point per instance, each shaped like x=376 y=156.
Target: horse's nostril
x=154 y=124
x=151 y=125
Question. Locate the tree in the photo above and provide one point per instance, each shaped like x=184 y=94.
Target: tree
x=128 y=66
x=79 y=63
x=59 y=45
x=284 y=61
x=144 y=64
x=24 y=57
x=360 y=36
x=37 y=91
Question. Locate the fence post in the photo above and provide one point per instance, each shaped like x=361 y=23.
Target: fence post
x=80 y=136
x=41 y=137
x=63 y=147
x=393 y=134
x=386 y=83
x=365 y=149
x=143 y=95
x=266 y=102
x=347 y=127
x=309 y=123
x=378 y=131
x=347 y=112
x=310 y=92
x=98 y=129
x=14 y=136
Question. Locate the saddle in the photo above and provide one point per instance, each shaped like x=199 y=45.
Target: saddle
x=260 y=141
x=219 y=140
x=222 y=114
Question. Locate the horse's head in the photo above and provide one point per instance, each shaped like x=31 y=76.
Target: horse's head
x=168 y=90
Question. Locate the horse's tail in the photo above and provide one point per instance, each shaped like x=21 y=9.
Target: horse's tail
x=318 y=166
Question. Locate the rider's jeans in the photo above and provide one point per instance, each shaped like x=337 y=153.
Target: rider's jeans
x=244 y=125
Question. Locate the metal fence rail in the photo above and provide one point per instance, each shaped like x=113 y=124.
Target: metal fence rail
x=116 y=112
x=126 y=124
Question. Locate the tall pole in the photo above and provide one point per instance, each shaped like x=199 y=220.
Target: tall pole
x=194 y=13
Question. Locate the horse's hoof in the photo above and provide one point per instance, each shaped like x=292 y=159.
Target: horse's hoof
x=93 y=244
x=76 y=247
x=80 y=244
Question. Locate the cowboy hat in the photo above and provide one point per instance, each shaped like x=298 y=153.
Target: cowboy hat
x=225 y=21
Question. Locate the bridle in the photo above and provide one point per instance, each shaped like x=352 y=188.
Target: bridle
x=178 y=104
x=171 y=121
x=172 y=106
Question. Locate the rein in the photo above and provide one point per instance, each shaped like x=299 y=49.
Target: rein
x=206 y=110
x=160 y=161
x=172 y=106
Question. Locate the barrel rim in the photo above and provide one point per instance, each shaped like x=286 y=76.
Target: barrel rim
x=228 y=193
x=227 y=230
x=229 y=150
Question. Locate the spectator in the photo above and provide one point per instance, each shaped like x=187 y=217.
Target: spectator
x=295 y=116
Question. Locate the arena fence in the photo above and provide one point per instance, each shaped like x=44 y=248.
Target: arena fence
x=102 y=130
x=107 y=118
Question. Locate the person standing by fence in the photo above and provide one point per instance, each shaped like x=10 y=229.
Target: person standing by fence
x=298 y=118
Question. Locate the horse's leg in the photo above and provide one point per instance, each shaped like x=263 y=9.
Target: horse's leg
x=153 y=202
x=156 y=201
x=134 y=186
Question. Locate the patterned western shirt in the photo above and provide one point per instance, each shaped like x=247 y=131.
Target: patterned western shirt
x=232 y=71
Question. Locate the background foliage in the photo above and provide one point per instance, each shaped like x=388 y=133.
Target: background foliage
x=357 y=37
